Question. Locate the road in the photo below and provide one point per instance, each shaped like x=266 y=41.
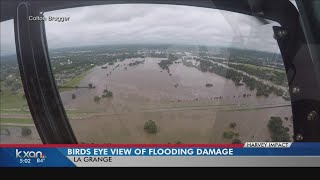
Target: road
x=18 y=124
x=232 y=107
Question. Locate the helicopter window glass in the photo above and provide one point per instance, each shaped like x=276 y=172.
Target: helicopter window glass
x=16 y=124
x=143 y=73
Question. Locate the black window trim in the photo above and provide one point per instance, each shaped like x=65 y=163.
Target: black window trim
x=37 y=78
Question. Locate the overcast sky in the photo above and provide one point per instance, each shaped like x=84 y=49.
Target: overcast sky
x=127 y=23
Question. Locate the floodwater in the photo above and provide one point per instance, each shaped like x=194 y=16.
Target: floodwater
x=178 y=101
x=147 y=85
x=12 y=135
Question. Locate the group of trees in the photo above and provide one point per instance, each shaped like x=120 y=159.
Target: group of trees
x=136 y=63
x=228 y=134
x=10 y=76
x=25 y=131
x=13 y=85
x=278 y=77
x=150 y=127
x=124 y=56
x=208 y=66
x=258 y=58
x=157 y=55
x=238 y=77
x=165 y=64
x=172 y=57
x=232 y=134
x=279 y=133
x=16 y=86
x=107 y=93
x=96 y=99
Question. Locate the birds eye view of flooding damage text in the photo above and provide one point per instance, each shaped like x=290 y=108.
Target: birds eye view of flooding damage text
x=157 y=76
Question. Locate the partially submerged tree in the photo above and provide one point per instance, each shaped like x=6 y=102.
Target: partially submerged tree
x=150 y=127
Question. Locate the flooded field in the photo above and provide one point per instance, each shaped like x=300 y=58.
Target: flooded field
x=180 y=103
x=13 y=135
x=147 y=85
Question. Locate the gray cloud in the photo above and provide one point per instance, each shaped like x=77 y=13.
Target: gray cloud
x=140 y=23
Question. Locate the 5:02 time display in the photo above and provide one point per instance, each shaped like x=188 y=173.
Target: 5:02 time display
x=25 y=161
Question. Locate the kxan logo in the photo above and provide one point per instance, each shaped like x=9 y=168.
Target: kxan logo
x=29 y=154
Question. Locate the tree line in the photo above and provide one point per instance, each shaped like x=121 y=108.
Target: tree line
x=277 y=77
x=237 y=78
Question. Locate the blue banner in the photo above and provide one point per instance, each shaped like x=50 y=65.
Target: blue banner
x=24 y=156
x=33 y=157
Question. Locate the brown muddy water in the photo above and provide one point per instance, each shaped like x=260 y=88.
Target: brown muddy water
x=178 y=101
x=147 y=85
x=183 y=108
x=13 y=135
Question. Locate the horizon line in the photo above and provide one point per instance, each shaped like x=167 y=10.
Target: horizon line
x=123 y=44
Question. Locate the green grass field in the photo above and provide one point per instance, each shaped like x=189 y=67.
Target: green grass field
x=75 y=81
x=16 y=120
x=262 y=67
x=14 y=111
x=12 y=101
x=17 y=104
